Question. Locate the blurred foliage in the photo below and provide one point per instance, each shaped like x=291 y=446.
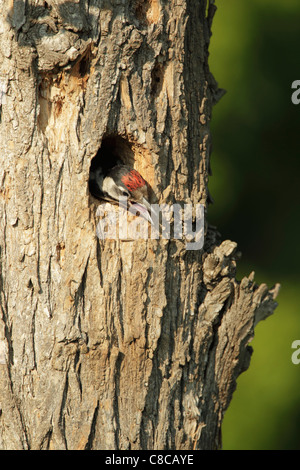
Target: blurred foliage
x=255 y=186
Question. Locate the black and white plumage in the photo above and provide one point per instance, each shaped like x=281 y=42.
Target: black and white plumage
x=121 y=183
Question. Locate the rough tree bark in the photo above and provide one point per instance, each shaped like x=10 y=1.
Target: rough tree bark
x=111 y=344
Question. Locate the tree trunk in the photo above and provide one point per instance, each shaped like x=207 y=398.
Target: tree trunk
x=112 y=344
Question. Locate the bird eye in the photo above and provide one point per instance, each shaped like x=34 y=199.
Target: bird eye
x=123 y=192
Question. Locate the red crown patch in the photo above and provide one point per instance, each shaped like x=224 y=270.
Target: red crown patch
x=133 y=180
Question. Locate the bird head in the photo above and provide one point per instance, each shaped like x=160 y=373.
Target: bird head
x=125 y=182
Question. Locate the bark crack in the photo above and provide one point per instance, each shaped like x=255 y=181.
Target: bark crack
x=89 y=445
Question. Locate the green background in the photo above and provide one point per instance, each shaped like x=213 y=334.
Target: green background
x=255 y=56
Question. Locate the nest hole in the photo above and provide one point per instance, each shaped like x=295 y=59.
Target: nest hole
x=114 y=150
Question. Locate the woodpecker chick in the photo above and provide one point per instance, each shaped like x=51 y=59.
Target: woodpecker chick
x=117 y=184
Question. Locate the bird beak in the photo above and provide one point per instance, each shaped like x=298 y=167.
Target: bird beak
x=144 y=208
